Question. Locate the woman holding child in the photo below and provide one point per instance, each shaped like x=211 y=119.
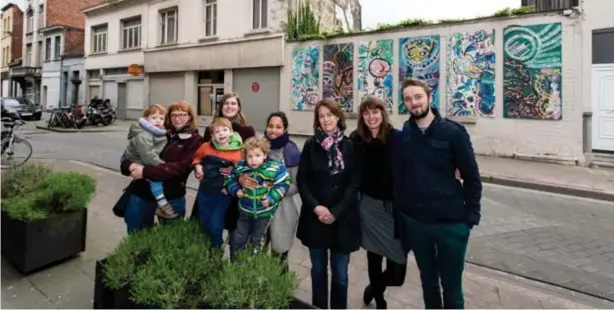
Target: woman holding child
x=377 y=223
x=283 y=226
x=329 y=223
x=183 y=141
x=230 y=108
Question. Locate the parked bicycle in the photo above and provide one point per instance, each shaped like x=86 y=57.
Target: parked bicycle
x=62 y=117
x=11 y=143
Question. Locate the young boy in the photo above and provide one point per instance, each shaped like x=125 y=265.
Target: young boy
x=145 y=142
x=223 y=151
x=257 y=205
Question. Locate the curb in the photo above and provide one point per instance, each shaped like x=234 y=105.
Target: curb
x=71 y=130
x=550 y=188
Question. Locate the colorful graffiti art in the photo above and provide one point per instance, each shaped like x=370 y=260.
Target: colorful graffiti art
x=532 y=72
x=375 y=70
x=419 y=59
x=305 y=77
x=471 y=74
x=338 y=74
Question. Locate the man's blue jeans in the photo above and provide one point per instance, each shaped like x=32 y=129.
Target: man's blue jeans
x=211 y=212
x=319 y=278
x=140 y=213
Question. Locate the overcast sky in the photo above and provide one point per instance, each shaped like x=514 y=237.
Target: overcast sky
x=394 y=11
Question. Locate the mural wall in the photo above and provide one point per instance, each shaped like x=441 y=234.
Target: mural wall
x=471 y=74
x=305 y=77
x=338 y=74
x=375 y=70
x=532 y=72
x=532 y=67
x=419 y=59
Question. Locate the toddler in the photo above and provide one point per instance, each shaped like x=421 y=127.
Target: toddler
x=223 y=151
x=256 y=205
x=146 y=140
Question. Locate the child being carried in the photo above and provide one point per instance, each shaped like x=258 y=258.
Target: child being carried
x=146 y=140
x=256 y=205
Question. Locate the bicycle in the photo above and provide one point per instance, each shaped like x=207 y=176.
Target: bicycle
x=10 y=141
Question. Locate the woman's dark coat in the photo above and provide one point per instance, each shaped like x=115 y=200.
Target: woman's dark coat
x=339 y=193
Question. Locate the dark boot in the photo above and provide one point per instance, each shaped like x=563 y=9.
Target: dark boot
x=380 y=302
x=338 y=296
x=367 y=296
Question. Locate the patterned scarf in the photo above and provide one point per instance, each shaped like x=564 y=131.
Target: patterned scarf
x=330 y=143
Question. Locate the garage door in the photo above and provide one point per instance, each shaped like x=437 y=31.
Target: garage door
x=109 y=89
x=259 y=92
x=166 y=88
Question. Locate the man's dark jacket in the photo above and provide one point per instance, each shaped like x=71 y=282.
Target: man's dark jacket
x=424 y=165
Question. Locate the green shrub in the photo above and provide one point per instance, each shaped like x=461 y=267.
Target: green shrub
x=33 y=192
x=252 y=282
x=172 y=266
x=165 y=266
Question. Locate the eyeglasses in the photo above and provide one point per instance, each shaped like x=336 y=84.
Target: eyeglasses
x=182 y=115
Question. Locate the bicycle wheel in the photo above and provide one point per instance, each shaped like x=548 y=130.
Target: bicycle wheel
x=15 y=154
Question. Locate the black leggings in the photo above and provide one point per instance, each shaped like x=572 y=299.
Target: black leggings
x=394 y=275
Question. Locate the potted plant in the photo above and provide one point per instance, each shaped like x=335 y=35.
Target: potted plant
x=172 y=266
x=44 y=215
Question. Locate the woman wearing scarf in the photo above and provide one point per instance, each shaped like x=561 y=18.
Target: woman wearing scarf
x=285 y=220
x=329 y=222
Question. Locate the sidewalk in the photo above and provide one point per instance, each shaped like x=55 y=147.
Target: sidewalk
x=117 y=126
x=571 y=180
x=70 y=285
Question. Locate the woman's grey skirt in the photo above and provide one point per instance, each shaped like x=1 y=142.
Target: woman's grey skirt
x=377 y=226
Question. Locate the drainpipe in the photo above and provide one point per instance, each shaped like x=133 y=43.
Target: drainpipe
x=62 y=90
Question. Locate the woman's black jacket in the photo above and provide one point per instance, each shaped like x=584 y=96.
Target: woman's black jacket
x=339 y=193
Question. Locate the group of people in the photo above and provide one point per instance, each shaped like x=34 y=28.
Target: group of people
x=386 y=190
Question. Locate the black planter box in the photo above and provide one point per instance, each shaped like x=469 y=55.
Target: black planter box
x=107 y=298
x=29 y=246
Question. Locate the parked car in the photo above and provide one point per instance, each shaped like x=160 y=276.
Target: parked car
x=25 y=108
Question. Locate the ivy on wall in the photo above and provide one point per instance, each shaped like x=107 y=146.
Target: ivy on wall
x=302 y=24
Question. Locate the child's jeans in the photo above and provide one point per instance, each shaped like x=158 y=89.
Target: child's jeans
x=249 y=231
x=158 y=192
x=211 y=213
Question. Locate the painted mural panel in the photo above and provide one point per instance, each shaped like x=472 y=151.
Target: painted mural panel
x=338 y=74
x=419 y=59
x=375 y=70
x=305 y=77
x=532 y=72
x=471 y=74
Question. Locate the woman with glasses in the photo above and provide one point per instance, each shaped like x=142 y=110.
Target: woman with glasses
x=183 y=141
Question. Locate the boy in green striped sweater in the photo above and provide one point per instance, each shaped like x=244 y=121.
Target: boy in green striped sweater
x=256 y=205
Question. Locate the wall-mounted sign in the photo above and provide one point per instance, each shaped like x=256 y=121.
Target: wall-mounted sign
x=135 y=70
x=255 y=87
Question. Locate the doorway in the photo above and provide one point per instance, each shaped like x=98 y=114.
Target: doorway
x=44 y=102
x=121 y=101
x=602 y=93
x=209 y=96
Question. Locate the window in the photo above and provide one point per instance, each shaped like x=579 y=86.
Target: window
x=260 y=14
x=41 y=17
x=168 y=26
x=28 y=55
x=131 y=33
x=99 y=39
x=39 y=54
x=47 y=49
x=210 y=17
x=57 y=47
x=29 y=21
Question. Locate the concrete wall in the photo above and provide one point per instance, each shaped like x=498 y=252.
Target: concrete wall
x=557 y=138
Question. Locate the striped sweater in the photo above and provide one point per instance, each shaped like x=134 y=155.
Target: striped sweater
x=270 y=171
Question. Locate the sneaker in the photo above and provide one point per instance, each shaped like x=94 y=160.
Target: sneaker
x=166 y=212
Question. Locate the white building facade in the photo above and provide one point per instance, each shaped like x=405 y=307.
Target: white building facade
x=187 y=52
